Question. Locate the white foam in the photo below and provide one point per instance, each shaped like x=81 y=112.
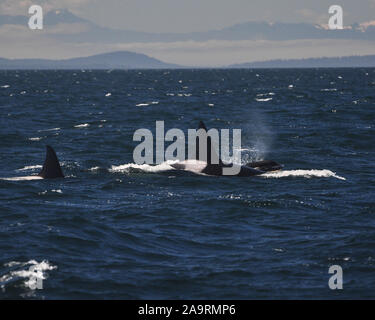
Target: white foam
x=146 y=104
x=83 y=125
x=38 y=166
x=165 y=166
x=5 y=86
x=265 y=94
x=94 y=168
x=34 y=272
x=324 y=173
x=53 y=129
x=36 y=138
x=26 y=178
x=263 y=99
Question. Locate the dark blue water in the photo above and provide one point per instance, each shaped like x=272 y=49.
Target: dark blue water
x=115 y=230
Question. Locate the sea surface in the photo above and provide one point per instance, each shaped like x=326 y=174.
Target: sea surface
x=113 y=229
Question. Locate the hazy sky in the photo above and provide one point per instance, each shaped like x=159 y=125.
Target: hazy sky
x=185 y=16
x=198 y=15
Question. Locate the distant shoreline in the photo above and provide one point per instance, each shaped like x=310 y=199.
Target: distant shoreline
x=126 y=60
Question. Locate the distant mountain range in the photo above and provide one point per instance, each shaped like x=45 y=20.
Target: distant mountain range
x=90 y=32
x=84 y=31
x=325 y=62
x=131 y=60
x=112 y=60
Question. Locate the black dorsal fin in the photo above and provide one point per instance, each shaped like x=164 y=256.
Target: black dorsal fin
x=209 y=142
x=202 y=126
x=51 y=167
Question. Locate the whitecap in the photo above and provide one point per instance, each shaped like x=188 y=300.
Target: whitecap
x=142 y=104
x=265 y=94
x=26 y=178
x=263 y=99
x=303 y=173
x=94 y=169
x=5 y=86
x=36 y=138
x=34 y=273
x=125 y=168
x=53 y=129
x=83 y=125
x=38 y=166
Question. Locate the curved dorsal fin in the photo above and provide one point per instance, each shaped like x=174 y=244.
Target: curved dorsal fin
x=51 y=167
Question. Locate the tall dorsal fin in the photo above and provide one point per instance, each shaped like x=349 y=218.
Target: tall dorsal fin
x=209 y=143
x=202 y=126
x=51 y=167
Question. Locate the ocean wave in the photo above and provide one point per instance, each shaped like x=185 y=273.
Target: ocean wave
x=130 y=167
x=38 y=166
x=52 y=129
x=94 y=169
x=265 y=94
x=83 y=125
x=324 y=173
x=36 y=138
x=33 y=273
x=26 y=178
x=263 y=99
x=146 y=104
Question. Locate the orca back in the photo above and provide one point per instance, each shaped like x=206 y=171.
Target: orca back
x=51 y=167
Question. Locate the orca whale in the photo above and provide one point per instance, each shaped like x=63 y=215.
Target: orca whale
x=216 y=169
x=51 y=167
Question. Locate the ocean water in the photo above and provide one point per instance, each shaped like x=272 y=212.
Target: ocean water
x=116 y=230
